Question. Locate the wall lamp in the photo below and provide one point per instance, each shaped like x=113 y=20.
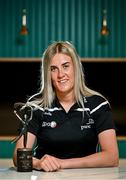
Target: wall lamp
x=24 y=29
x=104 y=28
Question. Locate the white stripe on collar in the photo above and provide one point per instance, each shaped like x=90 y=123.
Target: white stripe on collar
x=81 y=109
x=53 y=109
x=48 y=109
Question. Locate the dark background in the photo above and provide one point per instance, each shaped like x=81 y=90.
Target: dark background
x=20 y=80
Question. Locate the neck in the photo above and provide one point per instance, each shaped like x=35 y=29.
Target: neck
x=69 y=97
x=66 y=100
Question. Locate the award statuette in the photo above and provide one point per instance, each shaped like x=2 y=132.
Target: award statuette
x=24 y=155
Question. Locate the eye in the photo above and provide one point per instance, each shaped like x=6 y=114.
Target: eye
x=65 y=66
x=53 y=68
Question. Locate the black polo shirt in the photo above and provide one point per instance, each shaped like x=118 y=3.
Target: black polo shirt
x=70 y=134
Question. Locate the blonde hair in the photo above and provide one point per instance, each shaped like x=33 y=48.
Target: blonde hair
x=46 y=95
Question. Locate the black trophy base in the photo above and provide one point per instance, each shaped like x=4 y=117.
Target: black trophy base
x=24 y=160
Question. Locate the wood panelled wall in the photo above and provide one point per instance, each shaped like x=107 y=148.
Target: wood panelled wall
x=77 y=21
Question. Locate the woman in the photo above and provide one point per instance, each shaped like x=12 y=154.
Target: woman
x=69 y=119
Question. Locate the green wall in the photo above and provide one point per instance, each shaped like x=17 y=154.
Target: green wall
x=7 y=148
x=78 y=21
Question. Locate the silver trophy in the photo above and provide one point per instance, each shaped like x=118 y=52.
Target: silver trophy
x=24 y=113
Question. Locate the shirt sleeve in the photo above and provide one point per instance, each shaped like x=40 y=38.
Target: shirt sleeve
x=102 y=115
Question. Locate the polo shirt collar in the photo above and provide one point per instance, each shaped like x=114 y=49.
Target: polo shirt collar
x=56 y=103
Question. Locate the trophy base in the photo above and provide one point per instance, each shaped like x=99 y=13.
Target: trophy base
x=24 y=160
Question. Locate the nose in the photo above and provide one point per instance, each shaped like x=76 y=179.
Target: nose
x=60 y=73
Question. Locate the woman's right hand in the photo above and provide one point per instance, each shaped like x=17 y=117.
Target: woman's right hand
x=47 y=163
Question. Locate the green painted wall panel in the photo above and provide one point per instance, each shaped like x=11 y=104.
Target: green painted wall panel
x=50 y=20
x=122 y=148
x=7 y=148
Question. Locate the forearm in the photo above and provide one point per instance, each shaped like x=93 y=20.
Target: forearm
x=19 y=144
x=15 y=158
x=35 y=163
x=101 y=159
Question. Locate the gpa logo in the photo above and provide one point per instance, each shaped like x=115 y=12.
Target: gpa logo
x=52 y=124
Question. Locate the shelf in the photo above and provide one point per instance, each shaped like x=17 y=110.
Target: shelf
x=36 y=59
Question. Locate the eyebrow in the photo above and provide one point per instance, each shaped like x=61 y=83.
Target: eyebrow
x=66 y=63
x=61 y=64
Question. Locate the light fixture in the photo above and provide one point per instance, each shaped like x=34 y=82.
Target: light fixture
x=104 y=29
x=24 y=30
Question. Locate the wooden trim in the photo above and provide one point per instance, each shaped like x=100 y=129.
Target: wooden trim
x=105 y=60
x=36 y=59
x=9 y=138
x=21 y=59
x=121 y=137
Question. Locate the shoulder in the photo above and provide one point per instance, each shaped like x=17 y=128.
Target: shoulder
x=37 y=110
x=97 y=102
x=96 y=99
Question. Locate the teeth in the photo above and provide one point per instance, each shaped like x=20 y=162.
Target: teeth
x=62 y=81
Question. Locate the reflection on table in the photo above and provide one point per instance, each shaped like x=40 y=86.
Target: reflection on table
x=8 y=171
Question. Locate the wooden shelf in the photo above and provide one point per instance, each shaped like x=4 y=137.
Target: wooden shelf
x=9 y=138
x=36 y=59
x=21 y=59
x=104 y=60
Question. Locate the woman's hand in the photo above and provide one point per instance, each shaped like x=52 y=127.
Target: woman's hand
x=47 y=163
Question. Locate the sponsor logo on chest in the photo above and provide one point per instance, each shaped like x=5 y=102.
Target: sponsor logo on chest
x=51 y=124
x=87 y=125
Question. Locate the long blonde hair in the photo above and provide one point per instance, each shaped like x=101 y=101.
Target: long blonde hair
x=46 y=94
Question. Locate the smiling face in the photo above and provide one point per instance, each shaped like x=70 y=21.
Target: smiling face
x=62 y=74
